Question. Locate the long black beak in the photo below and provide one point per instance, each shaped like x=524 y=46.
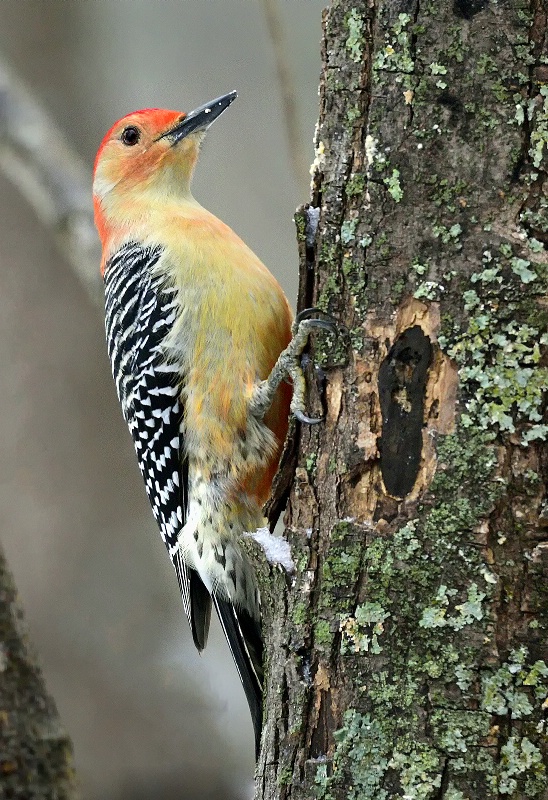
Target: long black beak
x=201 y=118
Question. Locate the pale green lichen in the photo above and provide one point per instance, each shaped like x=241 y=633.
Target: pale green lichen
x=361 y=631
x=449 y=235
x=420 y=269
x=464 y=676
x=436 y=616
x=300 y=614
x=328 y=260
x=397 y=53
x=536 y=218
x=285 y=777
x=354 y=23
x=454 y=794
x=359 y=744
x=428 y=290
x=485 y=64
x=419 y=771
x=386 y=737
x=446 y=193
x=520 y=760
x=457 y=730
x=520 y=267
x=438 y=69
x=348 y=229
x=340 y=568
x=534 y=245
x=393 y=185
x=501 y=690
x=310 y=464
x=353 y=113
x=322 y=633
x=539 y=133
x=499 y=352
x=355 y=186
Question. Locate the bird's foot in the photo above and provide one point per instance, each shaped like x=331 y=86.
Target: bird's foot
x=289 y=364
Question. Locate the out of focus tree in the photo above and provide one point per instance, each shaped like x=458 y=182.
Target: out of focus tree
x=35 y=751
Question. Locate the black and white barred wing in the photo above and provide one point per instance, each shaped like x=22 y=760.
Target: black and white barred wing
x=139 y=314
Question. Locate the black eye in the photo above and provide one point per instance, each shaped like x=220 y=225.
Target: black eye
x=131 y=136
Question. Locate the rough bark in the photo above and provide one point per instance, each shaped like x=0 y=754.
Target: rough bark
x=407 y=654
x=35 y=751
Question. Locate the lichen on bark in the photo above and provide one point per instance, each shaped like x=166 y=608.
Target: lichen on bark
x=408 y=655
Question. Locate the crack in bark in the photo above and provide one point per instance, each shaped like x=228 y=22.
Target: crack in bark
x=537 y=37
x=413 y=51
x=444 y=783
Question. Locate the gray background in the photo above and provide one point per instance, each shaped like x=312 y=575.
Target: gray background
x=149 y=717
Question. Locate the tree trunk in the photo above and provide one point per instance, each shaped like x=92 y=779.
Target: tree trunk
x=407 y=654
x=35 y=751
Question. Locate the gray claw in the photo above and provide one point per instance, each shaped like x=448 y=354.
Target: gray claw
x=306 y=313
x=325 y=324
x=307 y=420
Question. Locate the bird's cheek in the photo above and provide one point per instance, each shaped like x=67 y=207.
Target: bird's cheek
x=105 y=179
x=142 y=167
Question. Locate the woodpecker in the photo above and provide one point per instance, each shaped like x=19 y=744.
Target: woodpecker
x=199 y=335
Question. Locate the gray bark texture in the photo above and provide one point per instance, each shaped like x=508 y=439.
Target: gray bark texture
x=407 y=654
x=35 y=751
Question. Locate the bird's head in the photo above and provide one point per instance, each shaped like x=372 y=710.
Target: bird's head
x=150 y=153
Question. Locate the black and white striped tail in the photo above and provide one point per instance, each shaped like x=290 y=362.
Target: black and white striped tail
x=244 y=637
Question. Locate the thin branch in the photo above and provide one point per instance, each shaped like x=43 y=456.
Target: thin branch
x=289 y=95
x=38 y=160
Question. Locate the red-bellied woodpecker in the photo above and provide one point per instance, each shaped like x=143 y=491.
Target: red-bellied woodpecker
x=196 y=326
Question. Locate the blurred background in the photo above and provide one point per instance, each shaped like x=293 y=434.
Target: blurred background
x=148 y=716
